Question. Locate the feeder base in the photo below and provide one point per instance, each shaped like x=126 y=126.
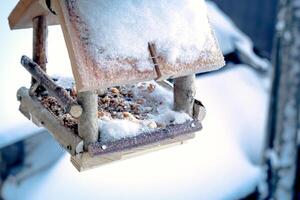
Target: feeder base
x=85 y=161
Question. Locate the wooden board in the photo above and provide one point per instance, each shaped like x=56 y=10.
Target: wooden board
x=90 y=74
x=85 y=161
x=22 y=15
x=101 y=153
x=35 y=111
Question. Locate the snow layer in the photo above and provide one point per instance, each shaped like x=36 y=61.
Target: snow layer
x=232 y=39
x=215 y=165
x=159 y=101
x=122 y=29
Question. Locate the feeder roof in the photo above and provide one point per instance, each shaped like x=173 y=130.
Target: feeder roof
x=108 y=41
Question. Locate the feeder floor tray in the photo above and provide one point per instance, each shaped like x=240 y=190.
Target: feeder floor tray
x=107 y=150
x=104 y=153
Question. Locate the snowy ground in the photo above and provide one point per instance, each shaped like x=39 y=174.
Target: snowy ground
x=221 y=163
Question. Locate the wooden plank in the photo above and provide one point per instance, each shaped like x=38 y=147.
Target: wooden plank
x=91 y=74
x=88 y=73
x=144 y=139
x=35 y=111
x=85 y=161
x=22 y=15
x=61 y=94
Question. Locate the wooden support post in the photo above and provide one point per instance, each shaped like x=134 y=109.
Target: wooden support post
x=153 y=54
x=39 y=45
x=184 y=93
x=59 y=92
x=88 y=121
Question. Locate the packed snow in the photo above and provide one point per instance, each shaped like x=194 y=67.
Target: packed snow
x=122 y=29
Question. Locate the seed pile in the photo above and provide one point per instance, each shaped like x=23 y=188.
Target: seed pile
x=113 y=103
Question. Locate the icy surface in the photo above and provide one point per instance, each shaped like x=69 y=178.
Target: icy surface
x=122 y=29
x=159 y=101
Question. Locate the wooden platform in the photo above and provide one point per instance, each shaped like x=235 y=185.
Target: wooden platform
x=100 y=153
x=85 y=161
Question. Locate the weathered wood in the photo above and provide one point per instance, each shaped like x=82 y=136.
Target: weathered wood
x=39 y=44
x=281 y=150
x=88 y=121
x=199 y=111
x=22 y=15
x=153 y=54
x=35 y=111
x=85 y=161
x=184 y=93
x=143 y=139
x=39 y=48
x=59 y=92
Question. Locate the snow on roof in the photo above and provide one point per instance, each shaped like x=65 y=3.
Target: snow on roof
x=110 y=40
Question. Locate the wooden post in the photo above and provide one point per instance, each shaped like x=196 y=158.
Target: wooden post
x=39 y=45
x=88 y=121
x=184 y=93
x=61 y=94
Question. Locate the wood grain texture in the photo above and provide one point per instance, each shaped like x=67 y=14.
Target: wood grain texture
x=85 y=161
x=88 y=121
x=66 y=101
x=143 y=139
x=90 y=74
x=23 y=13
x=35 y=111
x=184 y=94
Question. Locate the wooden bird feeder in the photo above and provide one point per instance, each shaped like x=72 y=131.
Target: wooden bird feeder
x=84 y=141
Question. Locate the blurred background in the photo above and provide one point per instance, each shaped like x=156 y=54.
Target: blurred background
x=224 y=161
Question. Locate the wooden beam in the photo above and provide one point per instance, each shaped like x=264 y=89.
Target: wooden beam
x=144 y=139
x=184 y=93
x=22 y=15
x=39 y=46
x=35 y=111
x=59 y=92
x=85 y=161
x=88 y=121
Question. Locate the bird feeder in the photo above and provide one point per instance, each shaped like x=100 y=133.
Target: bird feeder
x=113 y=62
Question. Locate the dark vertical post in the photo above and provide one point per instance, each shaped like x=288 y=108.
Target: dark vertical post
x=39 y=44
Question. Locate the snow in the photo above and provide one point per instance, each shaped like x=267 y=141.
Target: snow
x=231 y=38
x=159 y=101
x=118 y=128
x=122 y=29
x=63 y=81
x=20 y=130
x=217 y=164
x=220 y=163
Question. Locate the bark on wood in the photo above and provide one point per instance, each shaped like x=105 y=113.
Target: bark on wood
x=39 y=45
x=42 y=117
x=85 y=161
x=88 y=121
x=184 y=93
x=280 y=156
x=60 y=93
x=143 y=139
x=152 y=51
